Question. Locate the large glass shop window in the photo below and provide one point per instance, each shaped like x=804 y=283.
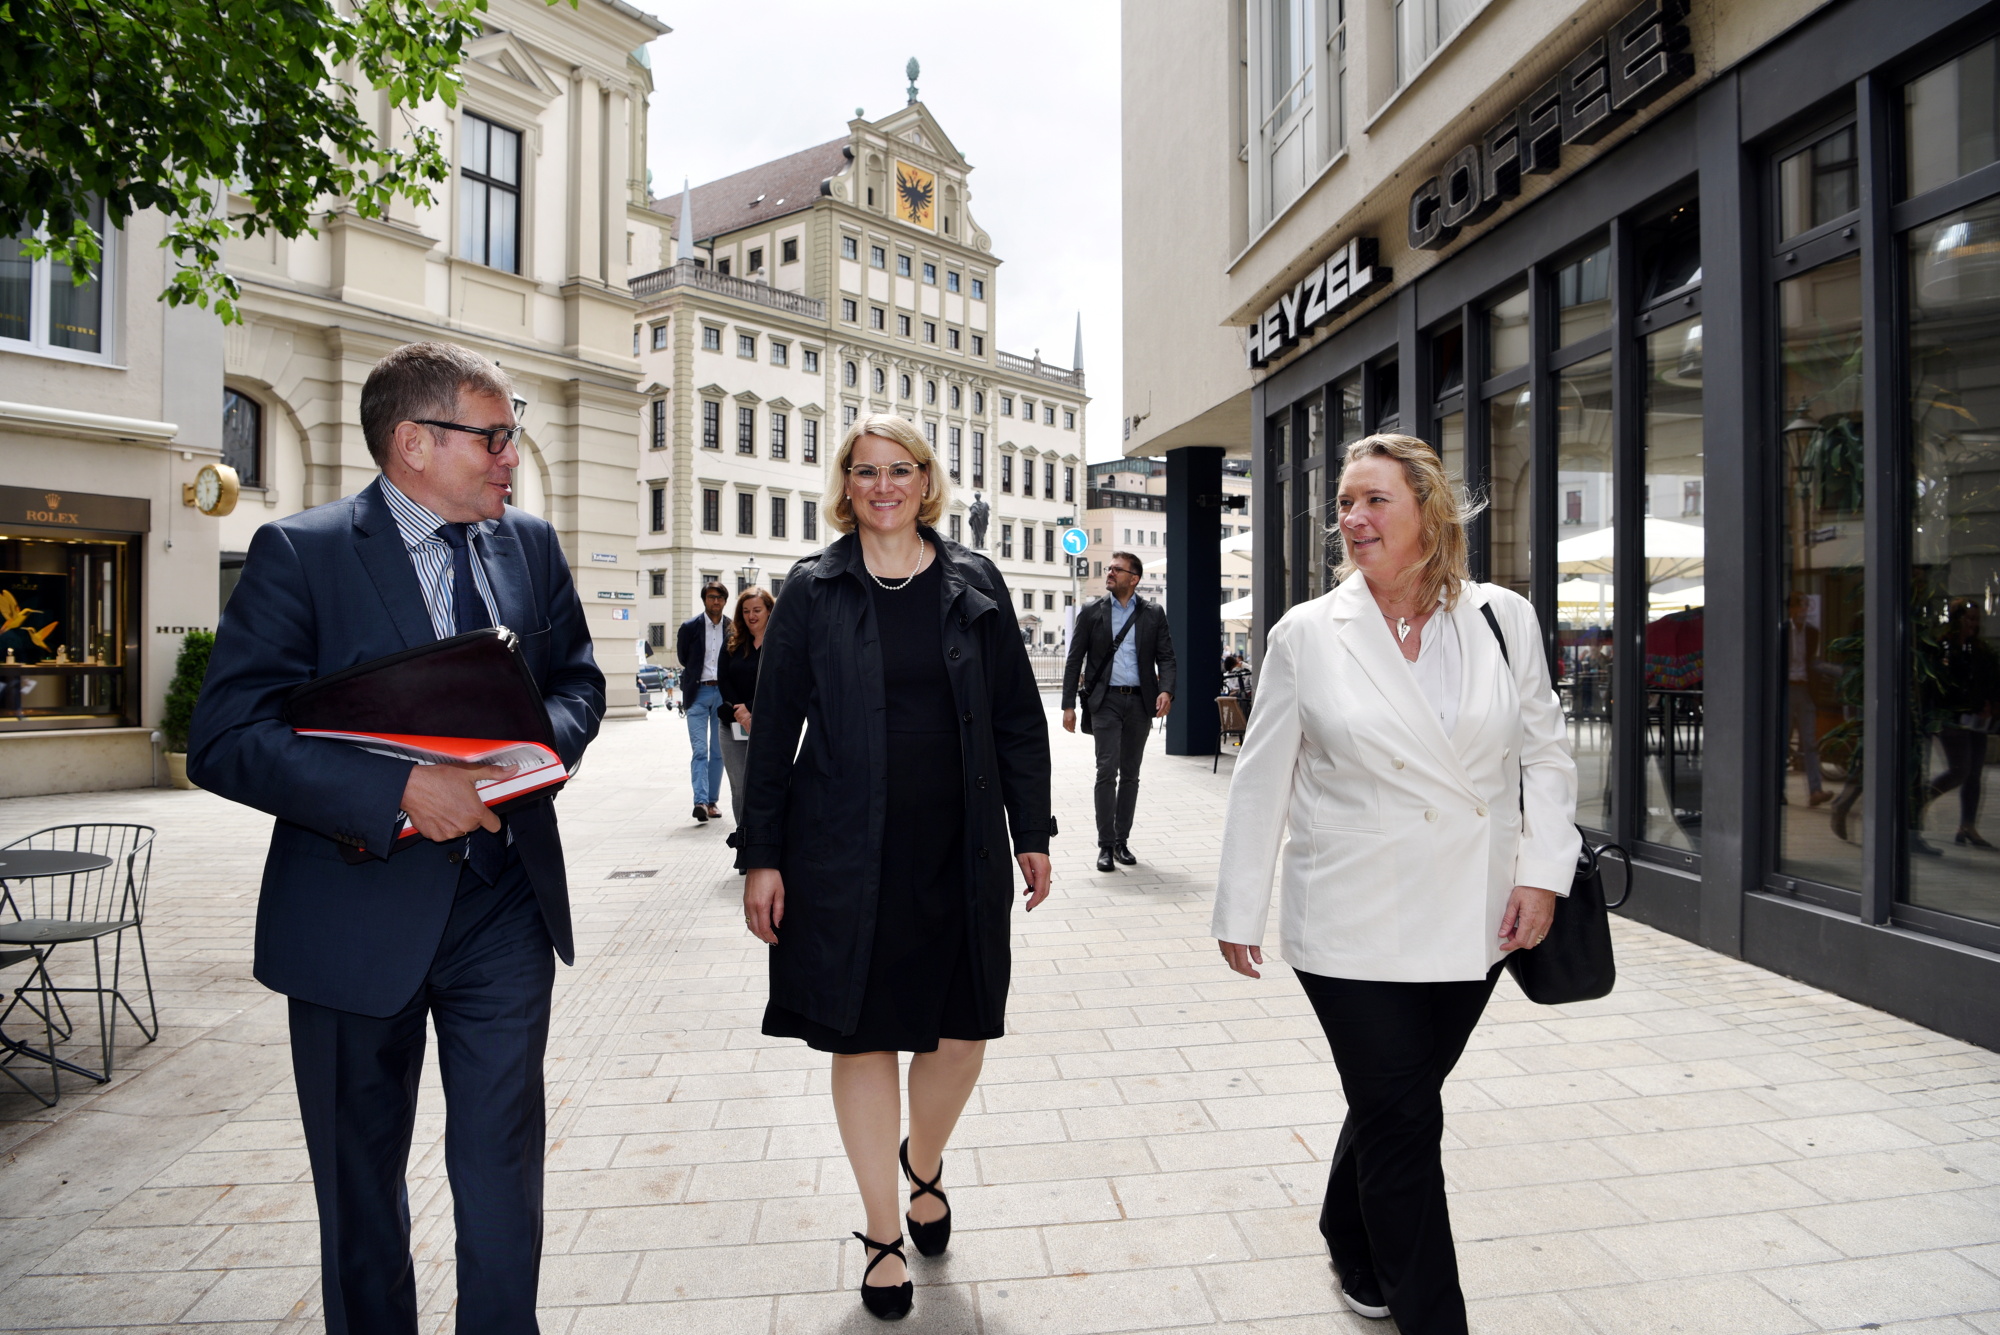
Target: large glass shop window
x=61 y=647
x=1954 y=556
x=1510 y=454
x=1821 y=631
x=1307 y=521
x=1584 y=591
x=1671 y=811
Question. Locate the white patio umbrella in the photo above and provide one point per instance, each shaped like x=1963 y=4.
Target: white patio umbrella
x=1673 y=551
x=1237 y=610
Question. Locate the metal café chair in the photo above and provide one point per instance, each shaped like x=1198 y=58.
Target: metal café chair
x=11 y=1048
x=53 y=911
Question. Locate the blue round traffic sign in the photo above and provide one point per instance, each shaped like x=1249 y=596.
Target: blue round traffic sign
x=1075 y=541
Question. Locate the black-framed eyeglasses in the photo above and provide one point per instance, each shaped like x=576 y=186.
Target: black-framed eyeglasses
x=498 y=438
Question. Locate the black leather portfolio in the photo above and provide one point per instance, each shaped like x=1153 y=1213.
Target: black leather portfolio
x=471 y=685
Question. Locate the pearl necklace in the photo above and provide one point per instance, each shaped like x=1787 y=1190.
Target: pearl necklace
x=923 y=559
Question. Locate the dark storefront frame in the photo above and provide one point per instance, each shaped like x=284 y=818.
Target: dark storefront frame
x=1723 y=146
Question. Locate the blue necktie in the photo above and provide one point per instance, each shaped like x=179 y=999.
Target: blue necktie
x=485 y=851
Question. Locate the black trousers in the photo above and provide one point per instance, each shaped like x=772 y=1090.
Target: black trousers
x=487 y=994
x=1385 y=1208
x=1120 y=728
x=1965 y=754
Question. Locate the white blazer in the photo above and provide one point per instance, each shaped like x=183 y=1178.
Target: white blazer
x=1404 y=843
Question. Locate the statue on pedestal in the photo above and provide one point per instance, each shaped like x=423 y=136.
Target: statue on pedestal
x=976 y=516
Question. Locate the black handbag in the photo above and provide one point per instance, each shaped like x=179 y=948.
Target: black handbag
x=1574 y=961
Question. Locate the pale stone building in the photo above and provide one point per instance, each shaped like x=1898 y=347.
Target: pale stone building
x=522 y=255
x=792 y=297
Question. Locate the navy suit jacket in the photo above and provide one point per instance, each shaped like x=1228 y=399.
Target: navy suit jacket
x=321 y=591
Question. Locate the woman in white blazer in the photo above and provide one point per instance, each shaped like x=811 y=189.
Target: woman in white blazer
x=1428 y=793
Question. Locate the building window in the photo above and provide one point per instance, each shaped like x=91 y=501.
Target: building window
x=881 y=378
x=979 y=458
x=780 y=428
x=957 y=531
x=809 y=440
x=1007 y=541
x=1819 y=183
x=950 y=281
x=951 y=339
x=1048 y=482
x=850 y=248
x=1691 y=498
x=978 y=345
x=1027 y=534
x=1006 y=405
x=1049 y=547
x=711 y=338
x=979 y=289
x=955 y=397
x=756 y=264
x=903 y=386
x=659 y=337
x=722 y=266
x=1027 y=600
x=746 y=429
x=1007 y=474
x=658 y=411
x=746 y=514
x=656 y=583
x=930 y=391
x=711 y=510
x=1048 y=415
x=490 y=195
x=930 y=436
x=746 y=346
x=957 y=442
x=850 y=310
x=809 y=361
x=930 y=274
x=777 y=516
x=930 y=331
x=978 y=403
x=243 y=437
x=781 y=354
x=1027 y=410
x=1069 y=484
x=878 y=257
x=808 y=519
x=903 y=326
x=788 y=251
x=851 y=375
x=656 y=634
x=848 y=412
x=656 y=509
x=877 y=317
x=1069 y=419
x=902 y=266
x=711 y=425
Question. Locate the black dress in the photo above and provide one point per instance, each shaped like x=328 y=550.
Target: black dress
x=921 y=984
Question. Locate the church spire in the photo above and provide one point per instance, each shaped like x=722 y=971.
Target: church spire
x=1076 y=362
x=685 y=238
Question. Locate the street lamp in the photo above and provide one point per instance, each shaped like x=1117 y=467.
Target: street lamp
x=747 y=576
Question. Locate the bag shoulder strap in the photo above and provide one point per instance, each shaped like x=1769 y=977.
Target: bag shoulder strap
x=1486 y=610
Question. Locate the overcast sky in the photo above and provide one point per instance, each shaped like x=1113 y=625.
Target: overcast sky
x=1027 y=90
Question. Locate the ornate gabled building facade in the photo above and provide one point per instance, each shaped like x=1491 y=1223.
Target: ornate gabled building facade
x=522 y=255
x=790 y=299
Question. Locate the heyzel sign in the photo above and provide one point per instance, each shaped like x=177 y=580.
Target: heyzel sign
x=1345 y=277
x=1643 y=56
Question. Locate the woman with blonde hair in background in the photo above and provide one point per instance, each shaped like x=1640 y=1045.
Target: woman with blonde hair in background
x=878 y=850
x=1408 y=741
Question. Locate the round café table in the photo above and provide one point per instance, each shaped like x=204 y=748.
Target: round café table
x=22 y=864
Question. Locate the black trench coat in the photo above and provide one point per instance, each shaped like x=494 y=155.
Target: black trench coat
x=816 y=812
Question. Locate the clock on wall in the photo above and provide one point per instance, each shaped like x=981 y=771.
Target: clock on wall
x=213 y=491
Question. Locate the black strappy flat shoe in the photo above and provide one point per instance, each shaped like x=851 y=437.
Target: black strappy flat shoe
x=934 y=1237
x=882 y=1300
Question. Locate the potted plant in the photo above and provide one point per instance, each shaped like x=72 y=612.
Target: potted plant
x=190 y=669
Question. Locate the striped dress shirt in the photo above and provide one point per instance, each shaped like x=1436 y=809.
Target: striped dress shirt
x=431 y=555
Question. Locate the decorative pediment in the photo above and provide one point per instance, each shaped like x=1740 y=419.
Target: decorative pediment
x=747 y=397
x=713 y=392
x=812 y=410
x=781 y=405
x=502 y=74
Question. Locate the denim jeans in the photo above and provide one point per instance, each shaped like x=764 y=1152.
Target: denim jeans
x=704 y=719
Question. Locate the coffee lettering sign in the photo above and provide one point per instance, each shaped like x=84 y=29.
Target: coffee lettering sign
x=1328 y=288
x=1643 y=56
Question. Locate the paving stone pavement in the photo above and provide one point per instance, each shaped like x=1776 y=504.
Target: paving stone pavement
x=1711 y=1149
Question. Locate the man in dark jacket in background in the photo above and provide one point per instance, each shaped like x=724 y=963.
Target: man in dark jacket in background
x=699 y=646
x=1123 y=692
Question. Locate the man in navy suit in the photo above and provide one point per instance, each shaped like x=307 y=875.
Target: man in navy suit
x=459 y=927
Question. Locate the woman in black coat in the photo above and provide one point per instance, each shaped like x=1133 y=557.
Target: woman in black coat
x=736 y=682
x=878 y=850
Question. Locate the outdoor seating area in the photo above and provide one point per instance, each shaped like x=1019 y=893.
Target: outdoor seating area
x=63 y=888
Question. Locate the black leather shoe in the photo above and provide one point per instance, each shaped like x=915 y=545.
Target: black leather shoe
x=701 y=814
x=889 y=1302
x=1123 y=854
x=1362 y=1293
x=1104 y=862
x=934 y=1237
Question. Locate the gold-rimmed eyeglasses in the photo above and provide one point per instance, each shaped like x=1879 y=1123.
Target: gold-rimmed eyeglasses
x=899 y=473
